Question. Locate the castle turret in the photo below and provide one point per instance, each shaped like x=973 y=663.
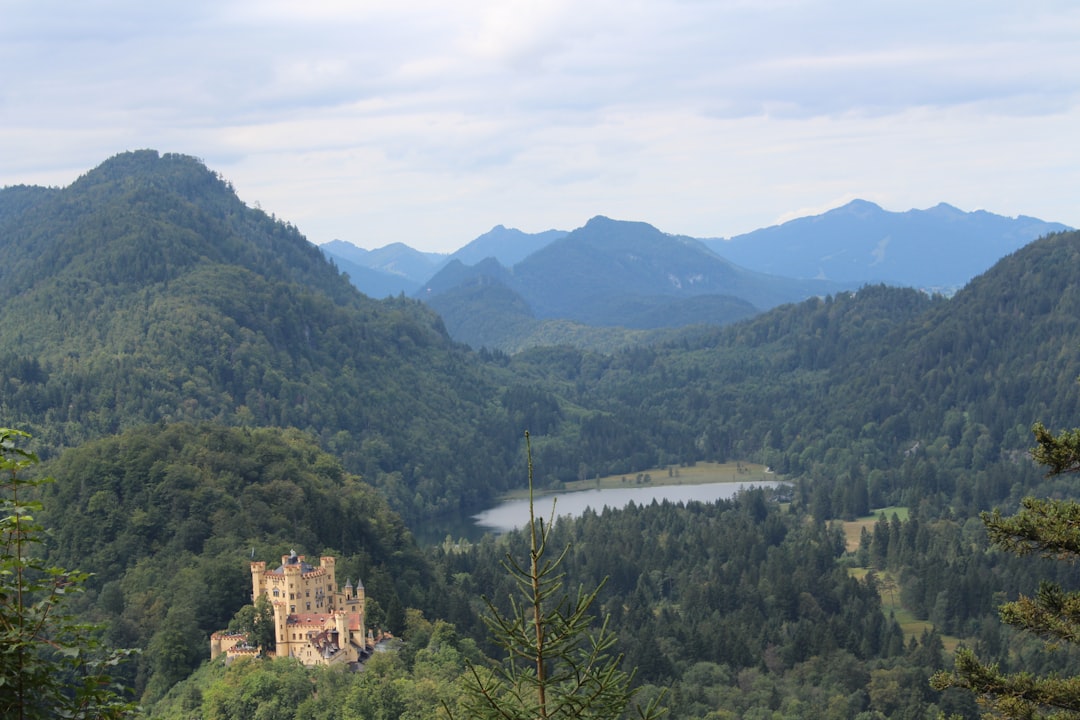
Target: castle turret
x=281 y=628
x=342 y=626
x=258 y=586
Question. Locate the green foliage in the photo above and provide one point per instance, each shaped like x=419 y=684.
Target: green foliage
x=1050 y=528
x=555 y=665
x=167 y=518
x=204 y=309
x=146 y=299
x=51 y=664
x=386 y=689
x=257 y=623
x=147 y=292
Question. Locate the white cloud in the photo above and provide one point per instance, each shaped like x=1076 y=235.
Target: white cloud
x=429 y=122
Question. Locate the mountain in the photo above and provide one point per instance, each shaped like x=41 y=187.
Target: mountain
x=940 y=248
x=147 y=292
x=398 y=268
x=611 y=274
x=599 y=271
x=507 y=245
x=390 y=270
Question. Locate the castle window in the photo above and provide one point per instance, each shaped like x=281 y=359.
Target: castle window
x=309 y=606
x=275 y=592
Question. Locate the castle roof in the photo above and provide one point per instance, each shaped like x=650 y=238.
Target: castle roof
x=293 y=560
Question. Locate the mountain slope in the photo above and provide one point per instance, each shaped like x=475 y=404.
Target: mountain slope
x=941 y=247
x=373 y=283
x=146 y=291
x=927 y=401
x=398 y=268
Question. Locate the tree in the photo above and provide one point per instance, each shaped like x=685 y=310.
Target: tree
x=556 y=664
x=257 y=623
x=1050 y=528
x=51 y=666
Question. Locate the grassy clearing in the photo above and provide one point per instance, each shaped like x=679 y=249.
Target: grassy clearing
x=912 y=627
x=697 y=474
x=853 y=528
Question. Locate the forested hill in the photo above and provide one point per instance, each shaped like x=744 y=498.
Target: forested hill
x=147 y=291
x=916 y=398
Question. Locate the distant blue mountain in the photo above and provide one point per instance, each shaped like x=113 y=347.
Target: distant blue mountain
x=609 y=273
x=940 y=248
x=390 y=270
x=507 y=245
x=398 y=268
x=598 y=273
x=507 y=287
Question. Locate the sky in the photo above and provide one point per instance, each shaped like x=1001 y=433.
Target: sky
x=429 y=122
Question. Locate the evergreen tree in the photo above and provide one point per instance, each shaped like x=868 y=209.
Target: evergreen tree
x=50 y=664
x=1050 y=528
x=556 y=664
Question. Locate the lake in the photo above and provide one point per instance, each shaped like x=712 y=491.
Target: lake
x=511 y=514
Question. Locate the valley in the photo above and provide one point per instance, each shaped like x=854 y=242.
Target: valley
x=208 y=390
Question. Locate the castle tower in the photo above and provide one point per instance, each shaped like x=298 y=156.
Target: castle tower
x=342 y=626
x=281 y=628
x=258 y=586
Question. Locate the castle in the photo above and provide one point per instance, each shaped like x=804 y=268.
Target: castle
x=314 y=621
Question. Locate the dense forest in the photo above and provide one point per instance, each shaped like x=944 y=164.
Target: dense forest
x=206 y=387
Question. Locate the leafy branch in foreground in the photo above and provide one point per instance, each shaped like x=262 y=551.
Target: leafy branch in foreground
x=50 y=665
x=1050 y=528
x=556 y=664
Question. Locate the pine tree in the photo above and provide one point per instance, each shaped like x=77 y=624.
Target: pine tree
x=1050 y=528
x=557 y=665
x=50 y=664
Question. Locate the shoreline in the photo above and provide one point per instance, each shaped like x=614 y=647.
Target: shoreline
x=697 y=474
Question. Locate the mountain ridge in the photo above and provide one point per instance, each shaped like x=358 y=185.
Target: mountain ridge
x=147 y=292
x=940 y=248
x=613 y=274
x=980 y=238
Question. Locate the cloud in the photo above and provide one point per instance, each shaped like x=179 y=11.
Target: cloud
x=429 y=122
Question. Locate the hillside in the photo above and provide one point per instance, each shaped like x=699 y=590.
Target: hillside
x=919 y=398
x=167 y=517
x=148 y=292
x=940 y=248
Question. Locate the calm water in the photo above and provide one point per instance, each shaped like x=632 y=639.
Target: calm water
x=515 y=513
x=512 y=514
